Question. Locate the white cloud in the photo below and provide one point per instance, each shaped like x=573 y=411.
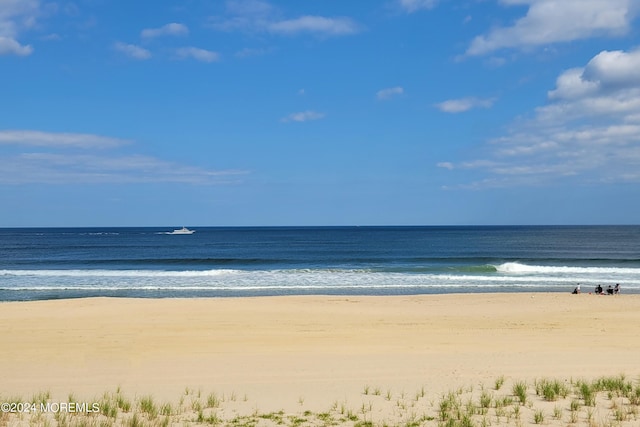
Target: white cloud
x=132 y=50
x=54 y=168
x=10 y=46
x=389 y=93
x=303 y=116
x=16 y=16
x=260 y=16
x=614 y=69
x=570 y=84
x=172 y=29
x=553 y=21
x=52 y=139
x=464 y=104
x=314 y=24
x=608 y=86
x=589 y=130
x=198 y=54
x=60 y=162
x=411 y=6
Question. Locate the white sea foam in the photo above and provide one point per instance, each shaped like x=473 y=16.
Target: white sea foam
x=222 y=281
x=511 y=271
x=117 y=273
x=241 y=288
x=285 y=287
x=518 y=268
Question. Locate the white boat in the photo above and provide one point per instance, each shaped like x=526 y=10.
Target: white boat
x=183 y=230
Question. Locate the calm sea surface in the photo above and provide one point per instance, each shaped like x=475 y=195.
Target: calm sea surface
x=147 y=262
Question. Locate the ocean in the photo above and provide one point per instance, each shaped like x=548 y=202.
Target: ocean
x=54 y=263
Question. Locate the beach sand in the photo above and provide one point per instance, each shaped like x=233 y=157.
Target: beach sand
x=308 y=353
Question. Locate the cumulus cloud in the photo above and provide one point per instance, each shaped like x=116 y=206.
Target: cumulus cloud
x=411 y=6
x=614 y=69
x=553 y=21
x=303 y=116
x=172 y=29
x=389 y=93
x=607 y=86
x=16 y=16
x=589 y=129
x=570 y=84
x=132 y=51
x=260 y=16
x=464 y=104
x=198 y=54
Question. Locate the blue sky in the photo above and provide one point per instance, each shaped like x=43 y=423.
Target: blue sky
x=319 y=112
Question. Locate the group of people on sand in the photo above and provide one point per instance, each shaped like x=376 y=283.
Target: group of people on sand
x=599 y=291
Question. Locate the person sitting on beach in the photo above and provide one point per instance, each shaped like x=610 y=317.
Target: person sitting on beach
x=616 y=290
x=610 y=290
x=576 y=290
x=598 y=290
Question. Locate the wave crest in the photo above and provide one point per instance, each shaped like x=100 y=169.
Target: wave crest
x=518 y=268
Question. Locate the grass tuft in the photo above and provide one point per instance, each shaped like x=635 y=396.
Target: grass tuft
x=213 y=401
x=538 y=417
x=148 y=406
x=520 y=391
x=605 y=401
x=587 y=393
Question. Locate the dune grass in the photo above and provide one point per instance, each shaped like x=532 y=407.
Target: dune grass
x=605 y=401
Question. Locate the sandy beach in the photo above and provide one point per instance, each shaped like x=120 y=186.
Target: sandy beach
x=307 y=353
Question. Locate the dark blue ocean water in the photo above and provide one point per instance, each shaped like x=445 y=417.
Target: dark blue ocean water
x=148 y=262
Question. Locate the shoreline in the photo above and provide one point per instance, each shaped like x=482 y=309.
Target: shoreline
x=625 y=292
x=318 y=349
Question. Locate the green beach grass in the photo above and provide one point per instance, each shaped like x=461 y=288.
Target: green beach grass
x=600 y=402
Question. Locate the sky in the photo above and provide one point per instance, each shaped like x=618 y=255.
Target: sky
x=319 y=112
